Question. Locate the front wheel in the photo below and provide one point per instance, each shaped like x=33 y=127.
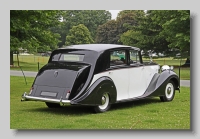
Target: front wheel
x=105 y=104
x=169 y=92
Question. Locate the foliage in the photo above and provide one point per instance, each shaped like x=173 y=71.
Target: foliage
x=90 y=18
x=110 y=31
x=79 y=35
x=107 y=33
x=176 y=28
x=162 y=31
x=30 y=30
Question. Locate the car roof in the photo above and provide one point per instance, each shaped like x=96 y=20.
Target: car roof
x=98 y=47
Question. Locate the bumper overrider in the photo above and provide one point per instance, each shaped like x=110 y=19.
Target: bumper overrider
x=26 y=97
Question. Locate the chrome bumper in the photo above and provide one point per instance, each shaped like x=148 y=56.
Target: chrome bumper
x=26 y=97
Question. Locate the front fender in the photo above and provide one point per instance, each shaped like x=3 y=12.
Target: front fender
x=93 y=94
x=159 y=82
x=167 y=75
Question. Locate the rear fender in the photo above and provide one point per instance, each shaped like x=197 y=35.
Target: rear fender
x=93 y=94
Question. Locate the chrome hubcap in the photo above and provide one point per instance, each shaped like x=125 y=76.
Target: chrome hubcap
x=104 y=101
x=169 y=90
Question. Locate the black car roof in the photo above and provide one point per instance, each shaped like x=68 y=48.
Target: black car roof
x=98 y=47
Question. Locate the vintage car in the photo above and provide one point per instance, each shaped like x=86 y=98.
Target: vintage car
x=99 y=75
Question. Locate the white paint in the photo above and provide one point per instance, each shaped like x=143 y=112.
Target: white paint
x=149 y=73
x=120 y=79
x=130 y=82
x=138 y=83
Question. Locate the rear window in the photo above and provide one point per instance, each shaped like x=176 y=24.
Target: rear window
x=71 y=57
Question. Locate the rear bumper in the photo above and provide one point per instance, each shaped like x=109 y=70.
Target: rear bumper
x=26 y=97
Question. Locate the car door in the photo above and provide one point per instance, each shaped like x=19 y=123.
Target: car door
x=137 y=79
x=119 y=73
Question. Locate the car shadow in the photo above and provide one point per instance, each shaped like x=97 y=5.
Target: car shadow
x=66 y=110
x=85 y=110
x=135 y=103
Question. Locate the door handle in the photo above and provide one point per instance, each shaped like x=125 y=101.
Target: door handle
x=110 y=72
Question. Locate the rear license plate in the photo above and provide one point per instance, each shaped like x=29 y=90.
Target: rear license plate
x=49 y=94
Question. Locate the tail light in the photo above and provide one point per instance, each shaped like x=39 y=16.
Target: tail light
x=31 y=89
x=68 y=92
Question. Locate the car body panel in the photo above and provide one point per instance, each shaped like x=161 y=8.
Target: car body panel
x=80 y=74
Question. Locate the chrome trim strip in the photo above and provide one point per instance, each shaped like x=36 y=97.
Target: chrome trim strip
x=25 y=97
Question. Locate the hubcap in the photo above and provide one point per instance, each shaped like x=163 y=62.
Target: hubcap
x=104 y=101
x=169 y=90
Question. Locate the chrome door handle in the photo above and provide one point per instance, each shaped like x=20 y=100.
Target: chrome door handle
x=110 y=72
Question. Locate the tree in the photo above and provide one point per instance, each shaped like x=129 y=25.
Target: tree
x=107 y=33
x=79 y=35
x=90 y=18
x=111 y=31
x=176 y=28
x=160 y=31
x=30 y=30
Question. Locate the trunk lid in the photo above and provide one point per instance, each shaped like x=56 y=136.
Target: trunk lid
x=56 y=79
x=59 y=74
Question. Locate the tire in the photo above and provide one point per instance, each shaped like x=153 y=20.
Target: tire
x=169 y=92
x=105 y=104
x=52 y=105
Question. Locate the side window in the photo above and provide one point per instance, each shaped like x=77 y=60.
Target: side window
x=134 y=58
x=117 y=57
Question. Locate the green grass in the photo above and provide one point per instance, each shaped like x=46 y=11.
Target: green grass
x=167 y=61
x=142 y=114
x=30 y=63
x=184 y=73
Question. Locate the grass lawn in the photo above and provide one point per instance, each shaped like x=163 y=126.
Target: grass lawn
x=168 y=61
x=143 y=114
x=29 y=62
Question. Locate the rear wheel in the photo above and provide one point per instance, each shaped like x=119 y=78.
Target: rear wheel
x=169 y=92
x=105 y=104
x=52 y=105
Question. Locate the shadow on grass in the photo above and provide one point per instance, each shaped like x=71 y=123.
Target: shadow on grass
x=79 y=110
x=66 y=110
x=135 y=103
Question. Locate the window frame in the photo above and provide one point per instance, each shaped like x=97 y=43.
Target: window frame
x=138 y=59
x=118 y=65
x=71 y=60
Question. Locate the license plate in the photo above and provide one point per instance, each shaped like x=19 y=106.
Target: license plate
x=49 y=94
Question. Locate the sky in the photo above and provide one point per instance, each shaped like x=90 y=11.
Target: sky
x=114 y=13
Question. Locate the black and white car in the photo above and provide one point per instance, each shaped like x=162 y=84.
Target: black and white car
x=99 y=75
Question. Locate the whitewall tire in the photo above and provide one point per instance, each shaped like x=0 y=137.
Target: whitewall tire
x=169 y=92
x=105 y=100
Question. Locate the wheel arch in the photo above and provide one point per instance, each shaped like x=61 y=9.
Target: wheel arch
x=158 y=83
x=166 y=76
x=94 y=93
x=176 y=83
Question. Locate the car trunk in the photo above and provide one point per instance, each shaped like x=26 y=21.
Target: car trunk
x=56 y=79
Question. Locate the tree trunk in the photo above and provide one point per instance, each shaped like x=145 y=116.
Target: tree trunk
x=11 y=58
